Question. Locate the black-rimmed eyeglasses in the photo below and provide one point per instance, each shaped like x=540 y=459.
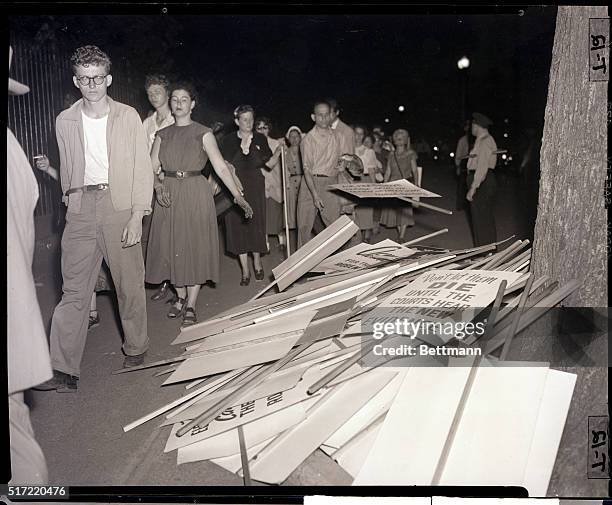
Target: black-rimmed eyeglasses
x=86 y=81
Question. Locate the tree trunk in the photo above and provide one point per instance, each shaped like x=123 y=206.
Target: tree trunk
x=570 y=240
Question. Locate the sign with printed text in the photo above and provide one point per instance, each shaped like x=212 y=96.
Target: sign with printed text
x=443 y=297
x=244 y=412
x=364 y=256
x=395 y=189
x=599 y=49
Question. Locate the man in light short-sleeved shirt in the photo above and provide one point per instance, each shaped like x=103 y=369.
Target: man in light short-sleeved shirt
x=320 y=152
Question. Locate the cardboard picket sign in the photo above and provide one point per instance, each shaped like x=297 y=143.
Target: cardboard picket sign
x=441 y=296
x=211 y=364
x=226 y=443
x=394 y=189
x=314 y=251
x=364 y=256
x=247 y=410
x=276 y=462
x=233 y=463
x=282 y=380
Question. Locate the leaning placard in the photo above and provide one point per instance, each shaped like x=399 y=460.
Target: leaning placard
x=395 y=189
x=314 y=251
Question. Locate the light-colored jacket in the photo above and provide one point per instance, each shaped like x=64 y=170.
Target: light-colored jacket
x=130 y=175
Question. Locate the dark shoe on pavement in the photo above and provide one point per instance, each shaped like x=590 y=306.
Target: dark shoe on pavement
x=130 y=361
x=189 y=317
x=60 y=382
x=245 y=281
x=177 y=309
x=162 y=292
x=70 y=386
x=259 y=275
x=93 y=321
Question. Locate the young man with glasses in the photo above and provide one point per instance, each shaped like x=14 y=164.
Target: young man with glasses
x=107 y=182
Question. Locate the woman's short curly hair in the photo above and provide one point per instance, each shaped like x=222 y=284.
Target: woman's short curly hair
x=243 y=109
x=188 y=87
x=90 y=55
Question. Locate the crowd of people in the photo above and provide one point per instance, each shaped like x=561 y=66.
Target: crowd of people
x=165 y=196
x=165 y=183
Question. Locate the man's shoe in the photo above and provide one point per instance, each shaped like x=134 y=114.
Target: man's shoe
x=70 y=386
x=162 y=292
x=93 y=321
x=61 y=382
x=131 y=361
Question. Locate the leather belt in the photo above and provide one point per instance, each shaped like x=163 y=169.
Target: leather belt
x=179 y=174
x=90 y=187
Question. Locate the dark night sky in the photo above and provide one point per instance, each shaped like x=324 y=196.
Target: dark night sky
x=370 y=63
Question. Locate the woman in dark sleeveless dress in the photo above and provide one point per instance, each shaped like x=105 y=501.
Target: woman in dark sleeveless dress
x=184 y=241
x=249 y=152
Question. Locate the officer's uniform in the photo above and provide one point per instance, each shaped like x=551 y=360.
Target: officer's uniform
x=481 y=177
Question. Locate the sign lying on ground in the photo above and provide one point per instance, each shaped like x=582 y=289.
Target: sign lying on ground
x=364 y=256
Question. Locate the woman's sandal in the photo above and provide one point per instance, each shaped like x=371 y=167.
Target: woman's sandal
x=189 y=317
x=174 y=311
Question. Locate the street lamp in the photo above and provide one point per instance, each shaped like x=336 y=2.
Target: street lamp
x=463 y=64
x=401 y=108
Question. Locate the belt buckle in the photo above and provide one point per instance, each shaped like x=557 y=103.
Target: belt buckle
x=180 y=174
x=101 y=187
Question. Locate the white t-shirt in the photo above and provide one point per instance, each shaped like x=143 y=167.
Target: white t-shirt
x=96 y=153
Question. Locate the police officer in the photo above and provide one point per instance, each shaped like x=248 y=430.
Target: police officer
x=481 y=181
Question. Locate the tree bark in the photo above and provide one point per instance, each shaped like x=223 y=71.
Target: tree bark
x=570 y=239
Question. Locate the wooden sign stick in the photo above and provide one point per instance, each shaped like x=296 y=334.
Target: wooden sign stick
x=517 y=261
x=284 y=182
x=244 y=457
x=425 y=237
x=517 y=318
x=467 y=389
x=505 y=254
x=544 y=306
x=208 y=415
x=168 y=407
x=426 y=205
x=508 y=309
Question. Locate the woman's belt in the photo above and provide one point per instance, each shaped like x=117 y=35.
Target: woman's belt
x=179 y=174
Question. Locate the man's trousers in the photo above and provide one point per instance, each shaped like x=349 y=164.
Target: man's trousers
x=482 y=210
x=89 y=236
x=307 y=212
